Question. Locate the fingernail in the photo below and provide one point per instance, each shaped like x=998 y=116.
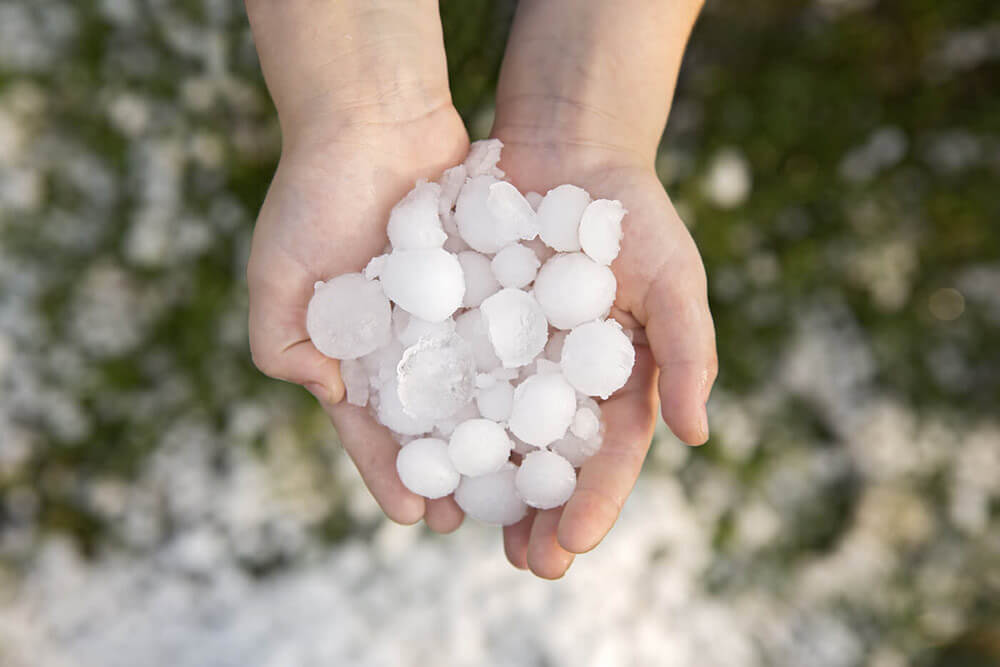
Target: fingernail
x=317 y=390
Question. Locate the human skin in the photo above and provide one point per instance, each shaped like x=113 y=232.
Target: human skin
x=362 y=97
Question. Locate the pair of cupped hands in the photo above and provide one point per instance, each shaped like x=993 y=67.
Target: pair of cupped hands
x=325 y=214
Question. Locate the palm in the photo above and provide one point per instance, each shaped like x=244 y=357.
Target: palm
x=661 y=287
x=324 y=215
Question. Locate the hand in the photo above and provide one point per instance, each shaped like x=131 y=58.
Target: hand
x=325 y=214
x=662 y=287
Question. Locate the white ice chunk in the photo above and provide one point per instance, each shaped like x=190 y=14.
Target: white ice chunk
x=577 y=450
x=587 y=420
x=516 y=326
x=545 y=479
x=511 y=212
x=515 y=265
x=427 y=282
x=479 y=447
x=409 y=329
x=391 y=414
x=436 y=377
x=451 y=182
x=348 y=316
x=601 y=230
x=573 y=289
x=471 y=326
x=495 y=401
x=534 y=198
x=559 y=217
x=479 y=279
x=425 y=468
x=543 y=408
x=492 y=498
x=483 y=158
x=355 y=377
x=414 y=222
x=597 y=358
x=475 y=223
x=374 y=267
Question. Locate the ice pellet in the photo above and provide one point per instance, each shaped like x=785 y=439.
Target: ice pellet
x=515 y=265
x=601 y=230
x=480 y=282
x=479 y=446
x=559 y=216
x=587 y=420
x=512 y=214
x=348 y=316
x=516 y=326
x=573 y=289
x=436 y=377
x=425 y=468
x=492 y=498
x=473 y=217
x=495 y=401
x=414 y=222
x=543 y=408
x=545 y=479
x=426 y=282
x=597 y=358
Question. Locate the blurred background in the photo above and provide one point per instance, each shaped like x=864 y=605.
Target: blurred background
x=162 y=503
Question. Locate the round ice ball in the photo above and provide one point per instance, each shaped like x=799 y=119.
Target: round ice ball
x=436 y=377
x=601 y=230
x=425 y=468
x=492 y=498
x=513 y=216
x=515 y=265
x=495 y=401
x=597 y=358
x=473 y=217
x=573 y=289
x=479 y=446
x=479 y=279
x=414 y=221
x=516 y=326
x=348 y=317
x=543 y=409
x=426 y=282
x=587 y=420
x=559 y=216
x=545 y=479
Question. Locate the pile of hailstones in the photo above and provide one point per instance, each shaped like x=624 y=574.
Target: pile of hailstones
x=483 y=331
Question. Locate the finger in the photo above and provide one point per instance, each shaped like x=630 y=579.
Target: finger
x=607 y=477
x=515 y=541
x=546 y=558
x=682 y=337
x=371 y=447
x=443 y=515
x=279 y=342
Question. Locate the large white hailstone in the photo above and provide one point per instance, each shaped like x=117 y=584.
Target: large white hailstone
x=515 y=265
x=479 y=279
x=545 y=479
x=355 y=377
x=511 y=212
x=391 y=414
x=409 y=329
x=559 y=217
x=427 y=282
x=601 y=230
x=492 y=498
x=543 y=408
x=348 y=316
x=471 y=326
x=587 y=420
x=597 y=358
x=425 y=468
x=451 y=181
x=479 y=446
x=573 y=289
x=483 y=158
x=577 y=450
x=473 y=217
x=436 y=377
x=495 y=401
x=516 y=326
x=414 y=222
